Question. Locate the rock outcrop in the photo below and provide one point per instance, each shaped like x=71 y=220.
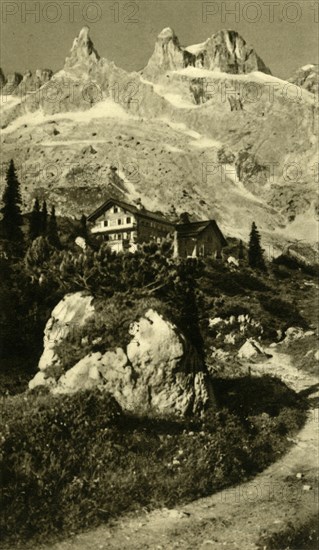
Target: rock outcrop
x=307 y=77
x=82 y=52
x=225 y=51
x=168 y=55
x=32 y=82
x=12 y=81
x=250 y=349
x=2 y=79
x=72 y=312
x=158 y=371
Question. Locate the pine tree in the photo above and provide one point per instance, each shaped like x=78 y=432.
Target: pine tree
x=35 y=221
x=255 y=252
x=241 y=253
x=83 y=227
x=52 y=233
x=11 y=211
x=44 y=219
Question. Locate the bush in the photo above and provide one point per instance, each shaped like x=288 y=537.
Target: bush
x=283 y=310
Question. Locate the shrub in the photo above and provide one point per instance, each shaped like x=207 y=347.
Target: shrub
x=283 y=310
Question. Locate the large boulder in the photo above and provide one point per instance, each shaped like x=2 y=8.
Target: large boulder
x=158 y=371
x=72 y=312
x=250 y=349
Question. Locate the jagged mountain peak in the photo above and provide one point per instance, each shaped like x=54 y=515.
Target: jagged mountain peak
x=82 y=50
x=224 y=50
x=167 y=33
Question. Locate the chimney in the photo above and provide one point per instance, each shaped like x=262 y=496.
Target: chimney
x=139 y=204
x=184 y=218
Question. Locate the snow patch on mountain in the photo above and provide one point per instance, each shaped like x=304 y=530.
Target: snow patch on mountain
x=205 y=142
x=8 y=102
x=104 y=109
x=173 y=98
x=196 y=49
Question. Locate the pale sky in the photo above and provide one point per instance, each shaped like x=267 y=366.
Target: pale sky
x=284 y=33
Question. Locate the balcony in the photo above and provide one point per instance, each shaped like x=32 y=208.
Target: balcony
x=101 y=228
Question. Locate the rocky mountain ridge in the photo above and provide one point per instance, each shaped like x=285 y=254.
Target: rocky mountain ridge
x=307 y=77
x=224 y=51
x=201 y=132
x=20 y=85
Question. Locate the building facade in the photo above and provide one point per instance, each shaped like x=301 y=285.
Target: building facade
x=195 y=239
x=125 y=226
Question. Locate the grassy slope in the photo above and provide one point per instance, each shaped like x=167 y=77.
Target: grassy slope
x=72 y=463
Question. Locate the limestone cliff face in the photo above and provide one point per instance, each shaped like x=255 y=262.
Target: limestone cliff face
x=33 y=81
x=225 y=51
x=18 y=85
x=12 y=81
x=228 y=52
x=82 y=52
x=157 y=371
x=168 y=55
x=2 y=79
x=164 y=131
x=307 y=77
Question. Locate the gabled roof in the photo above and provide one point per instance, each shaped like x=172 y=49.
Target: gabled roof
x=129 y=208
x=190 y=229
x=193 y=229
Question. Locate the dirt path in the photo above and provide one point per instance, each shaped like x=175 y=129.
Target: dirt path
x=234 y=518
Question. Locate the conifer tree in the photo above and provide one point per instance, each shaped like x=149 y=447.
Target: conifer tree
x=255 y=252
x=52 y=232
x=44 y=218
x=11 y=211
x=241 y=253
x=35 y=221
x=83 y=227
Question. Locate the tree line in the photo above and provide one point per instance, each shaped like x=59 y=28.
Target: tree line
x=42 y=224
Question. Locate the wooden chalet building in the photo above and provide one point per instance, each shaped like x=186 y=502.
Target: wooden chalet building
x=198 y=239
x=125 y=226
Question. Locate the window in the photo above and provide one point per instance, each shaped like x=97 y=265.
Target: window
x=106 y=223
x=119 y=236
x=115 y=209
x=128 y=220
x=119 y=222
